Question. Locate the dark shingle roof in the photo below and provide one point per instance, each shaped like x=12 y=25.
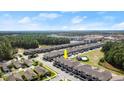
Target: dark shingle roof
x=27 y=62
x=40 y=50
x=16 y=64
x=40 y=70
x=10 y=77
x=87 y=69
x=17 y=76
x=29 y=74
x=55 y=54
x=5 y=68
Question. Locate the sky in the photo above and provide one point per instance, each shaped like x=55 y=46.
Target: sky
x=61 y=20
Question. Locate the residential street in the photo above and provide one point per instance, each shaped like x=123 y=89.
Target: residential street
x=61 y=74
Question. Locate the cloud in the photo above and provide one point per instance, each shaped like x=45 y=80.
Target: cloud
x=25 y=20
x=87 y=26
x=108 y=18
x=24 y=23
x=119 y=26
x=48 y=16
x=7 y=15
x=97 y=26
x=41 y=22
x=78 y=19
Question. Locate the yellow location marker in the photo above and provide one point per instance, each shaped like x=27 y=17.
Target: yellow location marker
x=65 y=54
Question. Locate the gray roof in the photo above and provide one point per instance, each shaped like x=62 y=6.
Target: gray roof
x=29 y=74
x=10 y=77
x=40 y=50
x=16 y=64
x=72 y=64
x=87 y=69
x=82 y=66
x=105 y=75
x=31 y=71
x=4 y=67
x=69 y=63
x=40 y=70
x=17 y=76
x=27 y=62
x=54 y=54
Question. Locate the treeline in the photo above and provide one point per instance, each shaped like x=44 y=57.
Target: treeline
x=52 y=40
x=91 y=32
x=114 y=53
x=9 y=43
x=33 y=41
x=23 y=42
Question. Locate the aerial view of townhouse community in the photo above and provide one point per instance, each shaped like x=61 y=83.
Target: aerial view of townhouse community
x=61 y=46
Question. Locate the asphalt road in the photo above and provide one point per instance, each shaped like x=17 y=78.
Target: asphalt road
x=61 y=74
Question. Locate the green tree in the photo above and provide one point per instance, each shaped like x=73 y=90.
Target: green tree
x=6 y=50
x=115 y=54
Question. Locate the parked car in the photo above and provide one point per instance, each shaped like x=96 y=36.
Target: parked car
x=32 y=56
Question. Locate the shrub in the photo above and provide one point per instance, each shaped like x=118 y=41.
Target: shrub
x=40 y=64
x=102 y=60
x=10 y=66
x=35 y=63
x=20 y=55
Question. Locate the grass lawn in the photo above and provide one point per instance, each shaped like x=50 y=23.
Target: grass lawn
x=53 y=73
x=113 y=69
x=44 y=46
x=20 y=50
x=94 y=57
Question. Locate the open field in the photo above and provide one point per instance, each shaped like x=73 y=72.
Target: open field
x=45 y=46
x=94 y=57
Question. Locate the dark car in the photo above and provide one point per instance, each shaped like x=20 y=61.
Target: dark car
x=32 y=56
x=78 y=58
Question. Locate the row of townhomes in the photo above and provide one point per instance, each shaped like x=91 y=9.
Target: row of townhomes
x=58 y=47
x=83 y=72
x=74 y=50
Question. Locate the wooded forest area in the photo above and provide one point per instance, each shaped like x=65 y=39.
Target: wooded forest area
x=9 y=43
x=114 y=53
